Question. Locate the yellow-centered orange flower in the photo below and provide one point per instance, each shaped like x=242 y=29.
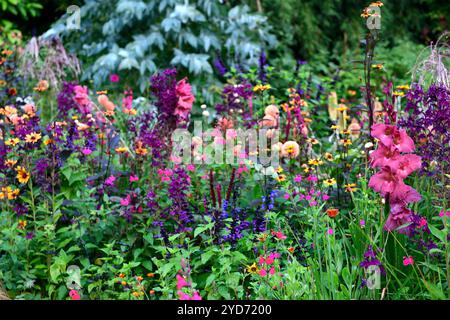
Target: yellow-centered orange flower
x=12 y=142
x=33 y=137
x=22 y=175
x=330 y=182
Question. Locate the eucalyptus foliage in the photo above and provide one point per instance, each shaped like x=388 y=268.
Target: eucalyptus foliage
x=135 y=38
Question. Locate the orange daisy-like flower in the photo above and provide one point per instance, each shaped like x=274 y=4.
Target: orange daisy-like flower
x=140 y=150
x=351 y=187
x=346 y=142
x=22 y=175
x=33 y=137
x=10 y=163
x=12 y=142
x=121 y=150
x=42 y=86
x=22 y=224
x=332 y=213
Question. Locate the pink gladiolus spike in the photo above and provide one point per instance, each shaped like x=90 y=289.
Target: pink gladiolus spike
x=385 y=181
x=398 y=217
x=390 y=135
x=404 y=165
x=382 y=156
x=404 y=194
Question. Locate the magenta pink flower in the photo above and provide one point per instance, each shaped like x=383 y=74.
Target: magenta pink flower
x=325 y=197
x=330 y=231
x=181 y=282
x=404 y=165
x=384 y=181
x=74 y=295
x=407 y=261
x=110 y=181
x=133 y=178
x=298 y=178
x=398 y=217
x=114 y=78
x=196 y=296
x=263 y=272
x=404 y=194
x=272 y=271
x=125 y=201
x=185 y=99
x=86 y=151
x=183 y=296
x=382 y=156
x=390 y=136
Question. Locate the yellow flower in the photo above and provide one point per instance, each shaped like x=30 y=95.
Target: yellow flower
x=398 y=93
x=10 y=163
x=345 y=131
x=378 y=66
x=22 y=175
x=48 y=141
x=402 y=87
x=330 y=182
x=140 y=150
x=12 y=141
x=312 y=141
x=280 y=170
x=342 y=108
x=350 y=187
x=22 y=224
x=314 y=162
x=253 y=268
x=41 y=86
x=281 y=178
x=328 y=156
x=121 y=150
x=346 y=142
x=261 y=87
x=33 y=137
x=376 y=4
x=334 y=127
x=9 y=193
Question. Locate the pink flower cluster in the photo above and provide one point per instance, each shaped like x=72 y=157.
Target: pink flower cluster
x=185 y=99
x=396 y=163
x=266 y=263
x=182 y=283
x=82 y=99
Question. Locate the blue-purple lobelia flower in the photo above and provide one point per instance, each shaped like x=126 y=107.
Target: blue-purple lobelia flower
x=220 y=66
x=263 y=64
x=371 y=260
x=427 y=120
x=65 y=99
